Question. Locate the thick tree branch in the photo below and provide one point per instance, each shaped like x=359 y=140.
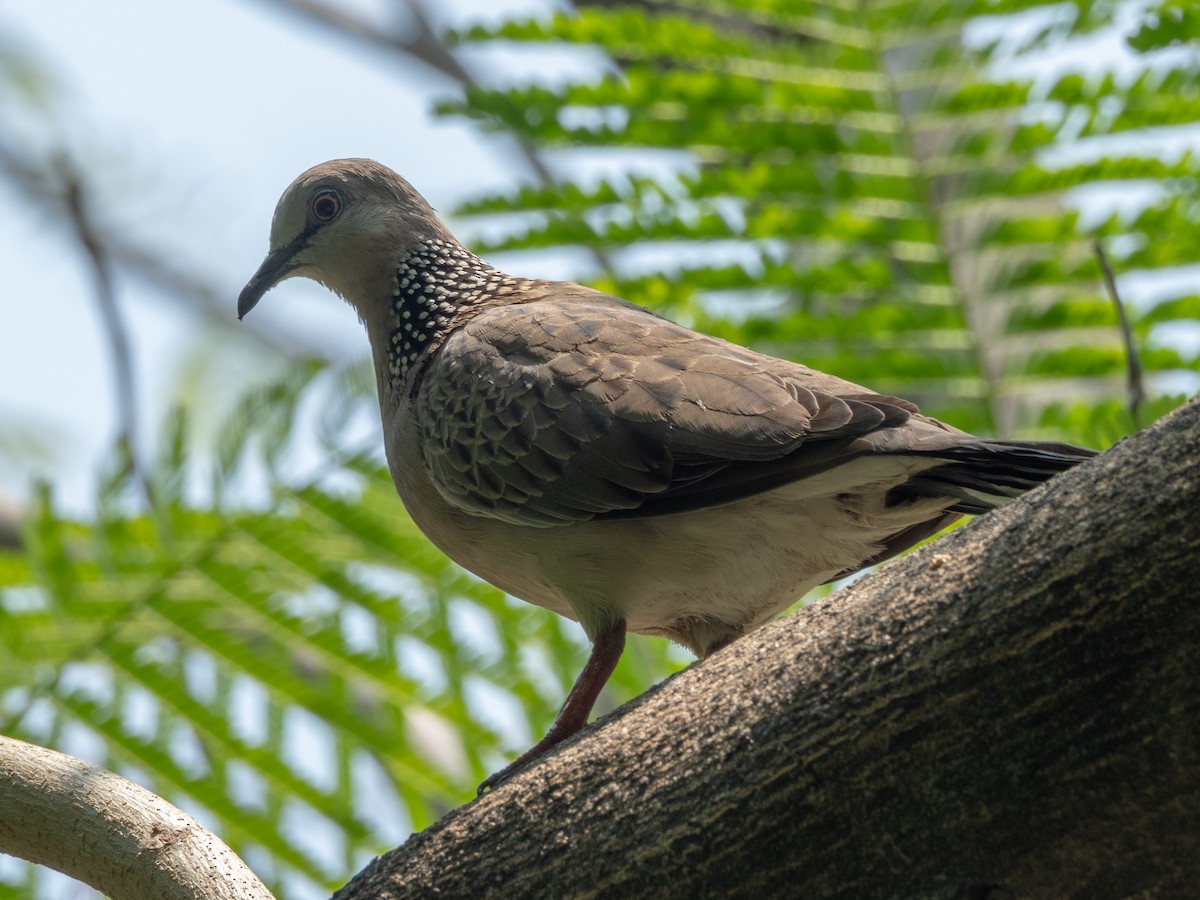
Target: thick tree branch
x=107 y=832
x=1010 y=711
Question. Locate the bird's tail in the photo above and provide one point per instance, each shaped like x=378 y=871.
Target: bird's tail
x=985 y=474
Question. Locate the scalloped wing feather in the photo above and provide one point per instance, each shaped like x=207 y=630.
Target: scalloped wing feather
x=579 y=405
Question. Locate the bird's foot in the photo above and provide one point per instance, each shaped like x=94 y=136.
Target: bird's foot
x=574 y=714
x=494 y=781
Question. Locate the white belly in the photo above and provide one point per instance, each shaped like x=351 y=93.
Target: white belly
x=697 y=577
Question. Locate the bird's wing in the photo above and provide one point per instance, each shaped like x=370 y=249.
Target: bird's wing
x=580 y=406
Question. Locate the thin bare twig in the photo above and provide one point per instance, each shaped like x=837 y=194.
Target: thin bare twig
x=422 y=43
x=74 y=198
x=1135 y=376
x=156 y=268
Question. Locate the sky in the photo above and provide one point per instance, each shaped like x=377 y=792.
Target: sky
x=193 y=117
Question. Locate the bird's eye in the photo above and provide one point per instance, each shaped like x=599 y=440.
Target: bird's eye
x=325 y=206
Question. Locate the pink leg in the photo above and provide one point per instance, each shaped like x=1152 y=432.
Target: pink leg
x=573 y=716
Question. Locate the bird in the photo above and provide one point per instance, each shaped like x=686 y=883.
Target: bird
x=589 y=456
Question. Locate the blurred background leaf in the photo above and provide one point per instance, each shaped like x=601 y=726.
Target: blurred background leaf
x=906 y=194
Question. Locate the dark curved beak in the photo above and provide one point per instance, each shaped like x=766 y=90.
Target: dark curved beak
x=274 y=269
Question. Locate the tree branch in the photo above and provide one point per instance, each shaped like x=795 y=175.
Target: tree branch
x=38 y=182
x=1135 y=378
x=75 y=200
x=1013 y=706
x=421 y=42
x=109 y=833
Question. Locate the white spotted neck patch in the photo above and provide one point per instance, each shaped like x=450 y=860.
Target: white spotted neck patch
x=432 y=287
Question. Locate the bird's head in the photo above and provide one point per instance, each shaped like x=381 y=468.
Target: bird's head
x=347 y=224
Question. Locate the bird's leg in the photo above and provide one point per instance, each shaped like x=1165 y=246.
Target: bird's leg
x=606 y=651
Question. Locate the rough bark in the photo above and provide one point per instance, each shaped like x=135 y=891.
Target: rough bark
x=1012 y=711
x=61 y=812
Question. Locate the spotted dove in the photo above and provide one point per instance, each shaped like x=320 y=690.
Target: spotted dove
x=593 y=458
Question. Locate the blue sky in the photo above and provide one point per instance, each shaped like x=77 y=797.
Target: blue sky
x=193 y=118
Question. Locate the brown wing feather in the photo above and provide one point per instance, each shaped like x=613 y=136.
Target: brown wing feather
x=581 y=405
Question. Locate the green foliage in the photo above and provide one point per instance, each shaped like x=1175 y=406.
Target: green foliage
x=904 y=209
x=858 y=191
x=1167 y=23
x=313 y=660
